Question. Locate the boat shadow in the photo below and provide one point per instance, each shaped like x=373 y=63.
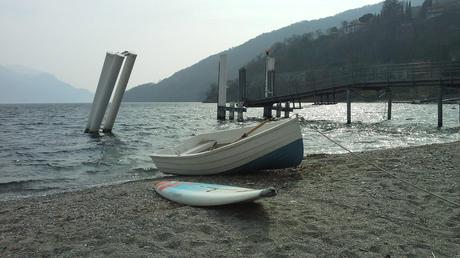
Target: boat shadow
x=249 y=179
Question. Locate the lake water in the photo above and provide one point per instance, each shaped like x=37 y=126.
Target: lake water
x=43 y=148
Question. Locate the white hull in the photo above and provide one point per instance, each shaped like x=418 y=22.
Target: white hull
x=236 y=152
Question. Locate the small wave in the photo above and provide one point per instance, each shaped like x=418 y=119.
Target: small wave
x=30 y=185
x=144 y=170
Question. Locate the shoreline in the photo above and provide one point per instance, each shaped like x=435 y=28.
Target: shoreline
x=332 y=205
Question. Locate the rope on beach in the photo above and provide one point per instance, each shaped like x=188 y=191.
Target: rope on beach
x=386 y=172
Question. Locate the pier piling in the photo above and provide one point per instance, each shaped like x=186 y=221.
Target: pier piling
x=390 y=100
x=440 y=96
x=119 y=91
x=109 y=75
x=269 y=76
x=240 y=112
x=268 y=112
x=286 y=109
x=241 y=93
x=231 y=112
x=222 y=88
x=348 y=106
x=278 y=109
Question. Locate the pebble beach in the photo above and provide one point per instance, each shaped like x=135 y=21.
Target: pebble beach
x=330 y=206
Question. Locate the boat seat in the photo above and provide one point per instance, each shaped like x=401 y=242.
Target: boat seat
x=204 y=146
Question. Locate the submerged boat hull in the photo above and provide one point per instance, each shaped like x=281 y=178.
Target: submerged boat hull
x=276 y=145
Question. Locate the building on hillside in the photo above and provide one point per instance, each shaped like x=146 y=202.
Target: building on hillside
x=438 y=7
x=354 y=26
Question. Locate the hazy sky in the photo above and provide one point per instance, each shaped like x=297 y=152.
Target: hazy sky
x=69 y=38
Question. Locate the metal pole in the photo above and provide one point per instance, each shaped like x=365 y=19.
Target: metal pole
x=440 y=93
x=120 y=90
x=390 y=99
x=103 y=99
x=222 y=88
x=109 y=57
x=241 y=84
x=348 y=106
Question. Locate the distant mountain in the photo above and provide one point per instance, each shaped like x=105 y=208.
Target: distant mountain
x=20 y=84
x=191 y=84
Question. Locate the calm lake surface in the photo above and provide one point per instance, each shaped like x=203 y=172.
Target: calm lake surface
x=43 y=148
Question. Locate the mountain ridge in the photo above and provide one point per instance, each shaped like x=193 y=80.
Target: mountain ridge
x=20 y=84
x=191 y=83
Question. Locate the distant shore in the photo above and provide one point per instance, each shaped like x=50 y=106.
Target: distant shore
x=330 y=206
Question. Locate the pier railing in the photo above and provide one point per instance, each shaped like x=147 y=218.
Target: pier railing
x=308 y=83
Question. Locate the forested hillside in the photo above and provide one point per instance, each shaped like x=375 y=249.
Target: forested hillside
x=191 y=84
x=400 y=33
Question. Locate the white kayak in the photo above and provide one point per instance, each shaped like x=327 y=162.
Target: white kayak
x=269 y=145
x=200 y=194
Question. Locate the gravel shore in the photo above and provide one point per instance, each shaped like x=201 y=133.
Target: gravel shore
x=330 y=206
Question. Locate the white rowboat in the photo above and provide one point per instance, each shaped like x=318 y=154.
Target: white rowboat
x=269 y=145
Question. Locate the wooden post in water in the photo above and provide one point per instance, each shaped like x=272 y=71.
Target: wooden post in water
x=278 y=110
x=286 y=109
x=348 y=106
x=390 y=99
x=440 y=93
x=222 y=88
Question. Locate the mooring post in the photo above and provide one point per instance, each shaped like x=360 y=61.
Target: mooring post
x=333 y=97
x=268 y=111
x=231 y=113
x=440 y=93
x=278 y=110
x=286 y=109
x=104 y=91
x=119 y=91
x=348 y=106
x=222 y=88
x=390 y=100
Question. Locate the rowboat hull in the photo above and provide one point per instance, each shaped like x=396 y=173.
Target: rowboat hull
x=275 y=145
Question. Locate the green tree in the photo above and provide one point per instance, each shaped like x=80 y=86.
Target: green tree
x=392 y=10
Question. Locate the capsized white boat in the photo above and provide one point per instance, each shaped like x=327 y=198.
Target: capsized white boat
x=269 y=145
